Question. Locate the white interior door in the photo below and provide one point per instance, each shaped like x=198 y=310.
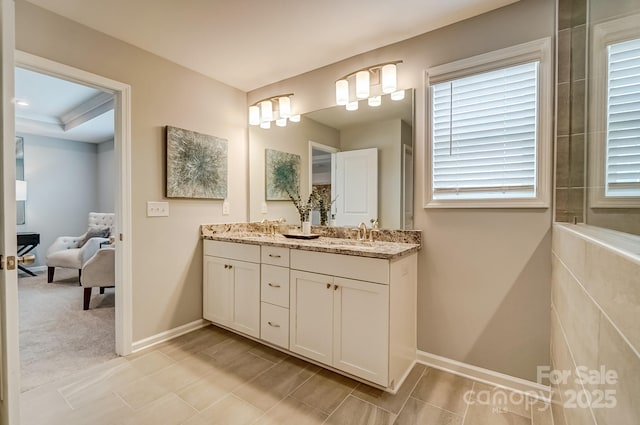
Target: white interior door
x=356 y=185
x=10 y=368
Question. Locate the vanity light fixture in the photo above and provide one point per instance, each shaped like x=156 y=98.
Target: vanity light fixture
x=275 y=108
x=370 y=83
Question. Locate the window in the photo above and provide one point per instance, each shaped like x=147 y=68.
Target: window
x=623 y=120
x=489 y=131
x=614 y=114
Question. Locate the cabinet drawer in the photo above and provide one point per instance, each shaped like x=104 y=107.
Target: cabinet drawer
x=275 y=285
x=349 y=266
x=275 y=255
x=274 y=325
x=233 y=251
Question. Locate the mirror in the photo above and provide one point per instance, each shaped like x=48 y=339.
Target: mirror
x=320 y=138
x=20 y=183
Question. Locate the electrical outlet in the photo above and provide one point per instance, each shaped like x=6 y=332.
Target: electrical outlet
x=157 y=209
x=225 y=208
x=264 y=209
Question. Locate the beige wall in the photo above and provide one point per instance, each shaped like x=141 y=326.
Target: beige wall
x=595 y=298
x=167 y=254
x=483 y=274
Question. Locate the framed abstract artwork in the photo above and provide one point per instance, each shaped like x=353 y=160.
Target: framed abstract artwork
x=282 y=175
x=197 y=165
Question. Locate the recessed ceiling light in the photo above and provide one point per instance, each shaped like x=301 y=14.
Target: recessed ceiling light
x=21 y=102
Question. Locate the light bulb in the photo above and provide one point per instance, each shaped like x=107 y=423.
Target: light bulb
x=265 y=124
x=362 y=84
x=397 y=95
x=389 y=81
x=284 y=104
x=281 y=122
x=352 y=106
x=266 y=108
x=375 y=101
x=342 y=92
x=254 y=115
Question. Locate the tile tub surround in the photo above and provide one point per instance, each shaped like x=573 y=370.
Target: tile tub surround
x=595 y=310
x=211 y=376
x=252 y=233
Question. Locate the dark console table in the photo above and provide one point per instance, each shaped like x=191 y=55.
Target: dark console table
x=26 y=242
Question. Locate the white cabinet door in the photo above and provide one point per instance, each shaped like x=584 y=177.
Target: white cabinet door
x=311 y=315
x=361 y=329
x=246 y=297
x=217 y=291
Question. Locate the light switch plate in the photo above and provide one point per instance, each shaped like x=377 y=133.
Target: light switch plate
x=157 y=209
x=225 y=208
x=264 y=209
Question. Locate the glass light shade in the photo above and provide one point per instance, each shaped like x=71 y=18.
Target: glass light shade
x=294 y=118
x=281 y=122
x=21 y=190
x=362 y=84
x=375 y=101
x=265 y=124
x=397 y=95
x=254 y=115
x=389 y=78
x=352 y=106
x=342 y=92
x=284 y=105
x=266 y=110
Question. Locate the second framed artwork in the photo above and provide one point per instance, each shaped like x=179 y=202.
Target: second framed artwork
x=282 y=179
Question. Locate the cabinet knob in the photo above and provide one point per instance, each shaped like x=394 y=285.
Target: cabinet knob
x=274 y=325
x=274 y=285
x=328 y=285
x=230 y=266
x=335 y=287
x=226 y=266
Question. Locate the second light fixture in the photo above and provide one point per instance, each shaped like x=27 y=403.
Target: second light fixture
x=367 y=83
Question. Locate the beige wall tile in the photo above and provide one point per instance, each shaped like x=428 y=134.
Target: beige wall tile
x=571 y=249
x=617 y=355
x=577 y=313
x=613 y=281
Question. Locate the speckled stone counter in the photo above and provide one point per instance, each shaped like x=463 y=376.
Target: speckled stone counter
x=388 y=244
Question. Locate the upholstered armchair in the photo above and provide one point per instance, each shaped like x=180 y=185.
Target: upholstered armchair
x=73 y=251
x=99 y=271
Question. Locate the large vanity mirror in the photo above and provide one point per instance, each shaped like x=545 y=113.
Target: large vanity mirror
x=363 y=158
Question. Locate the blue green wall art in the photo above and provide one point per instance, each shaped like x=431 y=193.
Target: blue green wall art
x=196 y=165
x=282 y=175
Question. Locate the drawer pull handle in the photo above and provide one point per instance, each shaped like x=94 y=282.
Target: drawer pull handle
x=274 y=256
x=274 y=325
x=274 y=285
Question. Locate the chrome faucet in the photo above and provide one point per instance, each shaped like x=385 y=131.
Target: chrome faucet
x=362 y=228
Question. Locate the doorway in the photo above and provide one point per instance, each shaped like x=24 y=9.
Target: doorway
x=120 y=175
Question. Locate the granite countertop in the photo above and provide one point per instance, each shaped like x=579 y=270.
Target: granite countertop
x=376 y=249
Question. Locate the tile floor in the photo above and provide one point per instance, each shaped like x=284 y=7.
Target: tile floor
x=212 y=376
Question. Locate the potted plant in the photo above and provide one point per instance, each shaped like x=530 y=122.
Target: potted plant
x=304 y=208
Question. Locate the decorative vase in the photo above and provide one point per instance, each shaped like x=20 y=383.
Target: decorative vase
x=306 y=227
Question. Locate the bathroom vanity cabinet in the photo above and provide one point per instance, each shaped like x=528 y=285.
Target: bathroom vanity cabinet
x=352 y=314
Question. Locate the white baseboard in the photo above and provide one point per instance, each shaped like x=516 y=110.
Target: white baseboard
x=487 y=376
x=167 y=335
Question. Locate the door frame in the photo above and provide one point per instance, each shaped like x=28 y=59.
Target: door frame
x=122 y=148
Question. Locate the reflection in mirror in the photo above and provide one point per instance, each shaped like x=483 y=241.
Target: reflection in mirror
x=344 y=142
x=20 y=183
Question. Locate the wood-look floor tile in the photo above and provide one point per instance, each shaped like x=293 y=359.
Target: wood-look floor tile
x=108 y=411
x=139 y=393
x=227 y=351
x=206 y=339
x=168 y=410
x=390 y=402
x=417 y=412
x=485 y=414
x=43 y=407
x=221 y=381
x=151 y=362
x=502 y=399
x=354 y=411
x=325 y=390
x=228 y=411
x=292 y=412
x=276 y=383
x=268 y=353
x=541 y=413
x=443 y=390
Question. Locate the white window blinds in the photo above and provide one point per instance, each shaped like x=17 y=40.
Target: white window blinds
x=623 y=119
x=484 y=133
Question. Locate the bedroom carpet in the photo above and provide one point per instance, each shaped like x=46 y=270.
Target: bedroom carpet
x=57 y=337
